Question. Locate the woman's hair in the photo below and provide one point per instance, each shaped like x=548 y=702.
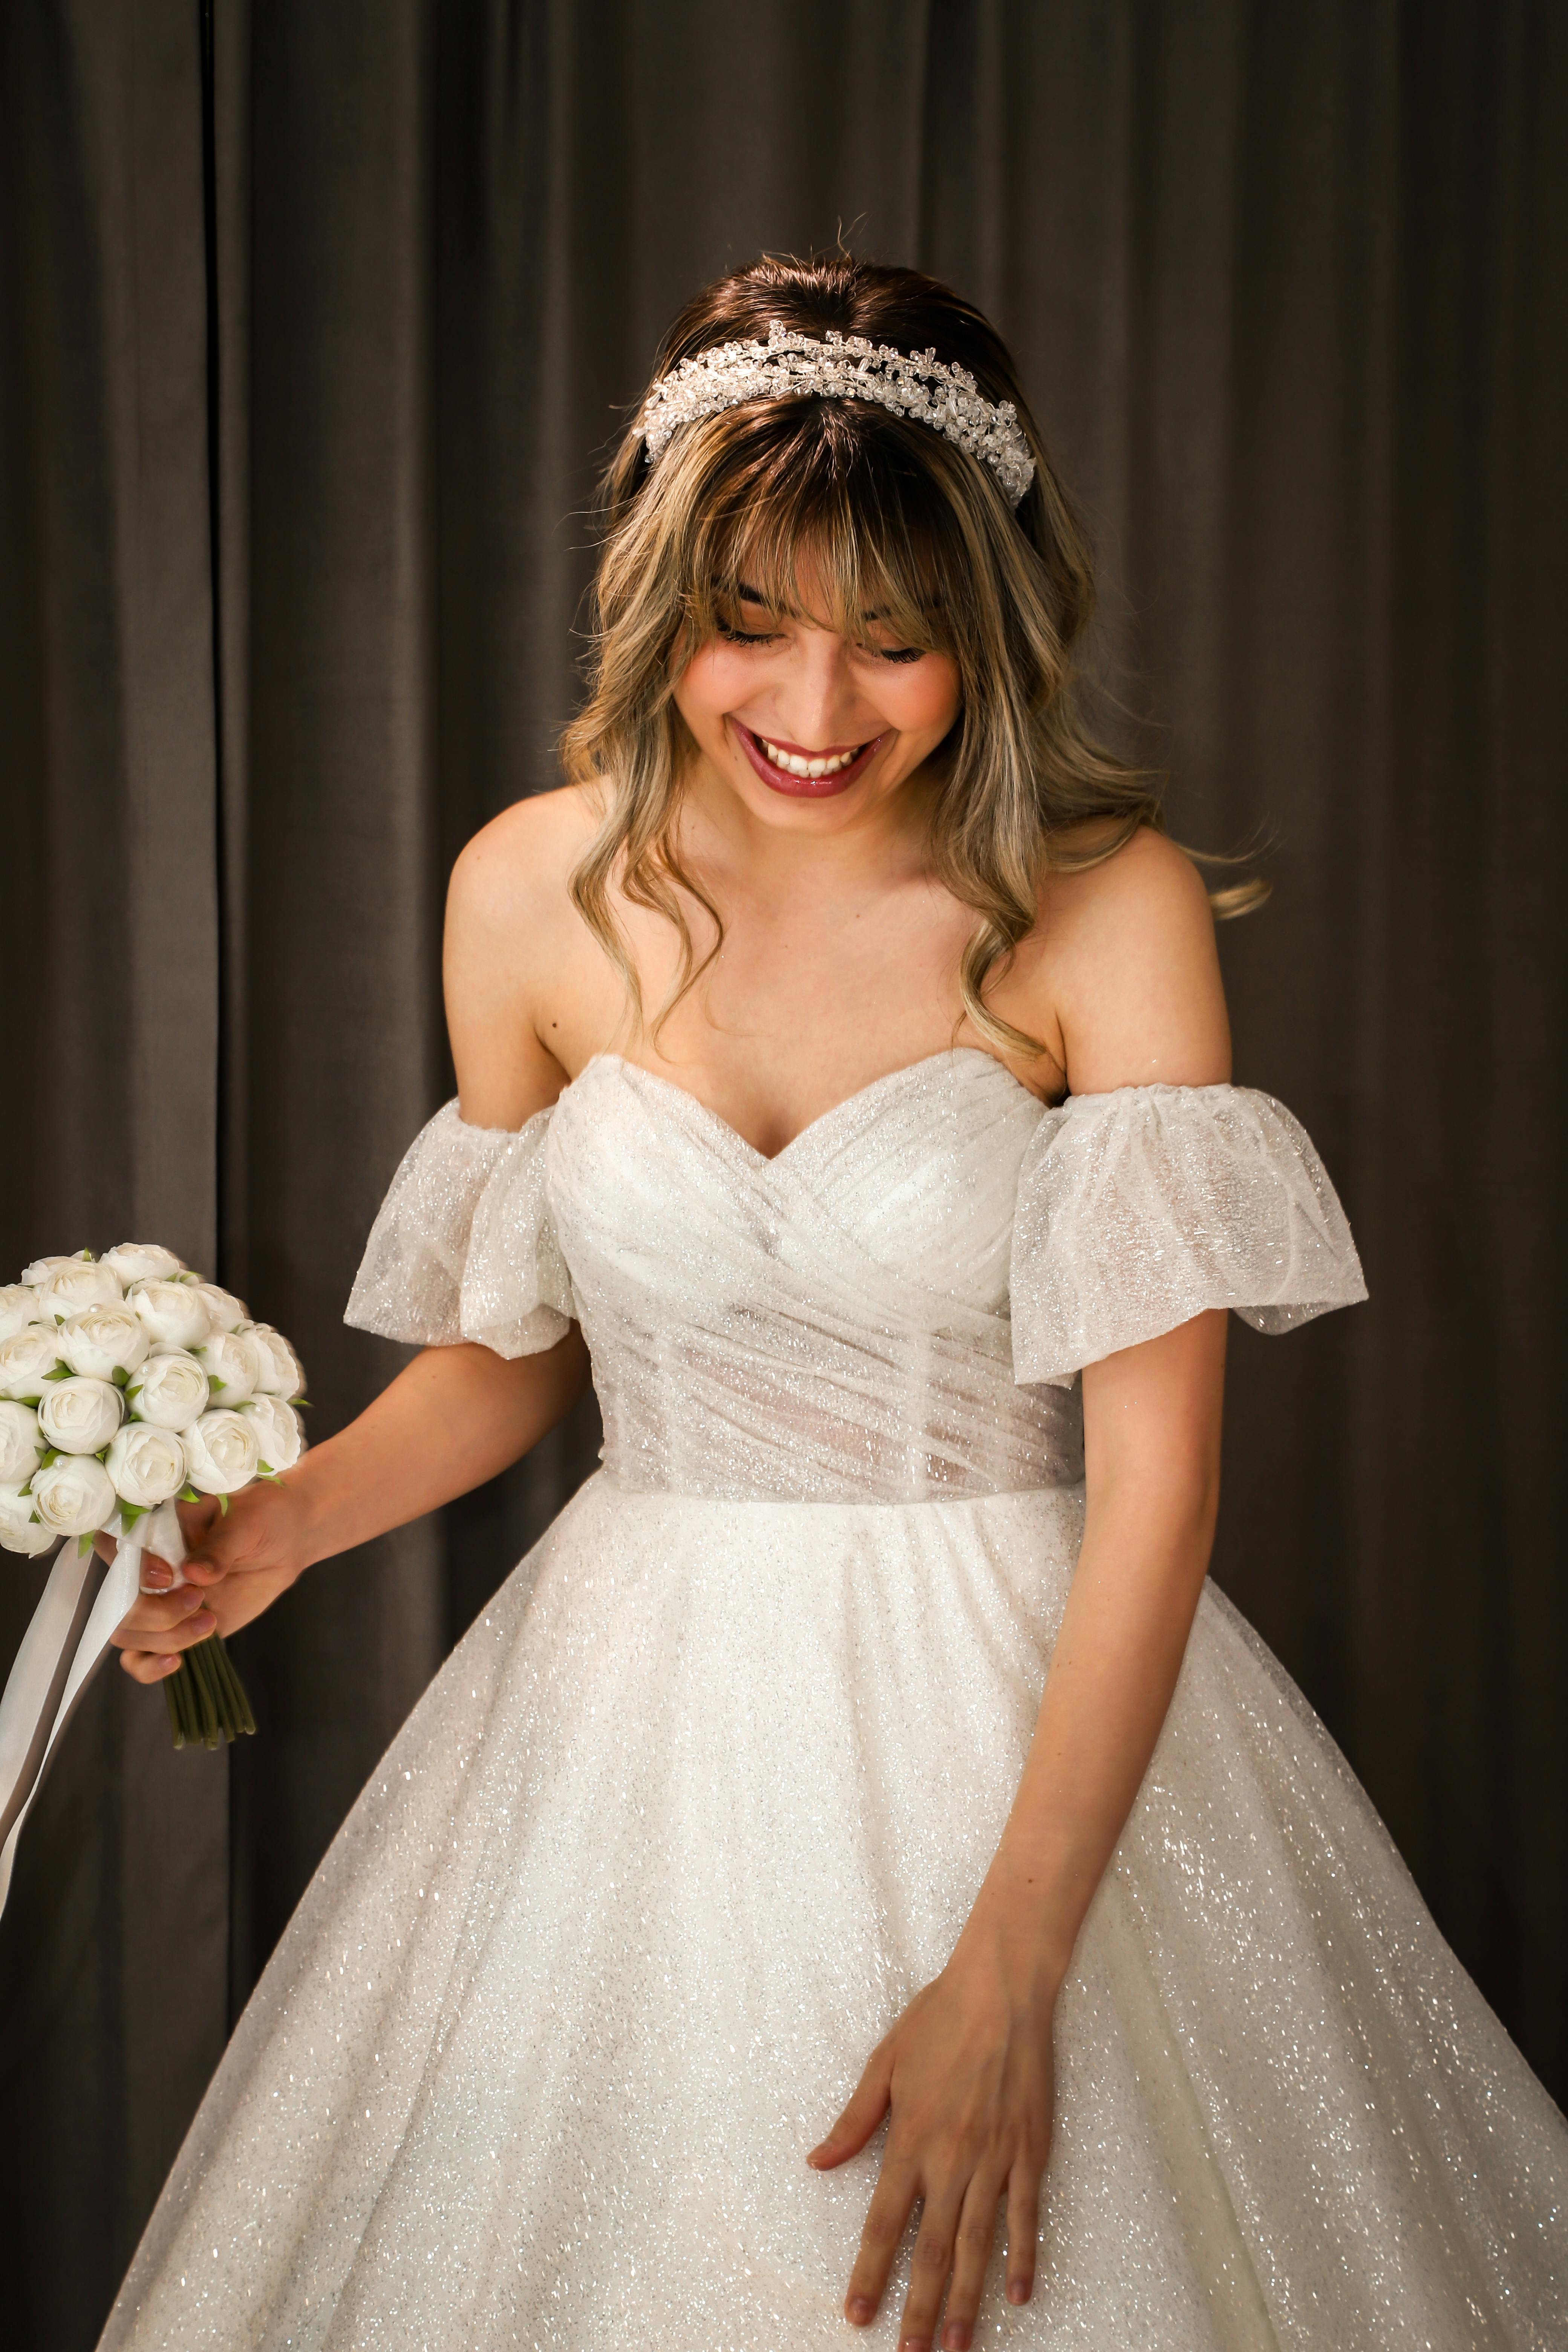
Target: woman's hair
x=881 y=514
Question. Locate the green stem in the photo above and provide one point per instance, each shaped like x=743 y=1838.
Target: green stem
x=207 y=1702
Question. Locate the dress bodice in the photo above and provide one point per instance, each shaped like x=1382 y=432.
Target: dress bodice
x=896 y=1306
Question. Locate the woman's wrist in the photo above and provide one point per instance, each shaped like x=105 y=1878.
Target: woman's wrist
x=1027 y=1925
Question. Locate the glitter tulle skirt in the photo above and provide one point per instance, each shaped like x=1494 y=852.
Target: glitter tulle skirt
x=698 y=1804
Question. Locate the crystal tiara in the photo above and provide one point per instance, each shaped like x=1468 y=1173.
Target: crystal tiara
x=840 y=367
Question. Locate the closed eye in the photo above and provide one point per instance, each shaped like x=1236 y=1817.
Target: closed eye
x=733 y=636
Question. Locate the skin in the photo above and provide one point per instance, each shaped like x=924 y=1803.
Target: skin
x=839 y=964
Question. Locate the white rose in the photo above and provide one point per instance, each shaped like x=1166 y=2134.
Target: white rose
x=73 y=1496
x=282 y=1374
x=169 y=1391
x=21 y=1447
x=232 y=1365
x=81 y=1416
x=18 y=1529
x=173 y=1314
x=227 y=1312
x=26 y=1359
x=18 y=1307
x=42 y=1267
x=221 y=1452
x=102 y=1340
x=67 y=1288
x=131 y=1262
x=147 y=1464
x=279 y=1431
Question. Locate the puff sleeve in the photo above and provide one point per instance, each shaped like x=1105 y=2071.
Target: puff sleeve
x=1140 y=1209
x=464 y=1246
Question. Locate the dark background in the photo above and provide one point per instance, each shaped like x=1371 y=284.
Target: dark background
x=315 y=319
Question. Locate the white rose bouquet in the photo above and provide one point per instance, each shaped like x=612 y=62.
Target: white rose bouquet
x=128 y=1382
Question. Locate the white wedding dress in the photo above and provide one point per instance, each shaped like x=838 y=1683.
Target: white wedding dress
x=705 y=1794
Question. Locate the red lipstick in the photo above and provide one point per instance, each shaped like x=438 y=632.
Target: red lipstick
x=804 y=788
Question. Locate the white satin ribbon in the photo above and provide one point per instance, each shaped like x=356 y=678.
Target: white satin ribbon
x=56 y=1661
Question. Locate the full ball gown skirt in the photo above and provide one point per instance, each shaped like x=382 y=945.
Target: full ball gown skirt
x=705 y=1795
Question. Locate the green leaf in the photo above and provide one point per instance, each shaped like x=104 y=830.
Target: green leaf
x=60 y=1319
x=131 y=1394
x=51 y=1455
x=213 y=1381
x=119 y=1376
x=303 y=1403
x=83 y=1546
x=131 y=1512
x=265 y=1470
x=189 y=1495
x=223 y=1504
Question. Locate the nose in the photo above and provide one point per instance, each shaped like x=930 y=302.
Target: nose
x=822 y=708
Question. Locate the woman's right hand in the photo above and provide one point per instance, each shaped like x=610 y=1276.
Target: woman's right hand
x=239 y=1561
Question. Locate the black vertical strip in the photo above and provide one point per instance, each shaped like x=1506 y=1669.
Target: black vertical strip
x=215 y=526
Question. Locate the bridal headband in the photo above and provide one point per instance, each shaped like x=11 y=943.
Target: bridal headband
x=840 y=367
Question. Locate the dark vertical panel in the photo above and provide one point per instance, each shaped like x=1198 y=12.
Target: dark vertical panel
x=108 y=865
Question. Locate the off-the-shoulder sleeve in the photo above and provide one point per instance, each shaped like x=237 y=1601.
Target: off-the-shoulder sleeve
x=464 y=1246
x=1138 y=1210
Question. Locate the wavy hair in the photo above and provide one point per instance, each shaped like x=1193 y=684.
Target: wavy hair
x=884 y=514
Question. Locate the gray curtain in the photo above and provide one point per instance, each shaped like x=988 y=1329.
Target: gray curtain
x=316 y=318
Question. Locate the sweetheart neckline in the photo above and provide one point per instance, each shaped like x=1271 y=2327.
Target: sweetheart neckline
x=845 y=1102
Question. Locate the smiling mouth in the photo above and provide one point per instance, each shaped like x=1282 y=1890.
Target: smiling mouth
x=804 y=775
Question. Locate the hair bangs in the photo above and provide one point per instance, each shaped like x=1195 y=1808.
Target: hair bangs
x=823 y=515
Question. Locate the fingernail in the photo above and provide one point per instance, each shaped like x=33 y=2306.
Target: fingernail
x=1017 y=2290
x=157 y=1578
x=203 y=1621
x=169 y=1663
x=957 y=2338
x=914 y=2344
x=860 y=2309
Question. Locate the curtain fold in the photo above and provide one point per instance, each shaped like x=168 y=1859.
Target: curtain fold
x=315 y=326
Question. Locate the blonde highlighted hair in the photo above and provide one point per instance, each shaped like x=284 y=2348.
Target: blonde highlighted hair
x=885 y=516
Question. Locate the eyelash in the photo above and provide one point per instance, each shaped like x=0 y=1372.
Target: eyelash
x=767 y=638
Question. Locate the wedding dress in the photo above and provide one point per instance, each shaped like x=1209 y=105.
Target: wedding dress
x=705 y=1794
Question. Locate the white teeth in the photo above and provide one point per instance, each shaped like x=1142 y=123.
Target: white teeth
x=794 y=765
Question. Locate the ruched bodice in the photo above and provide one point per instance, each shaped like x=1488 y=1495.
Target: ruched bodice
x=893 y=1307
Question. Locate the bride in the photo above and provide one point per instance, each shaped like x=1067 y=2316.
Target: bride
x=856 y=1868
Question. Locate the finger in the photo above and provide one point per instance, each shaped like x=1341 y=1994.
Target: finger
x=148 y=1665
x=970 y=2257
x=860 y=2120
x=183 y=1636
x=1023 y=2232
x=197 y=1520
x=929 y=2268
x=155 y=1614
x=201 y=1568
x=892 y=2200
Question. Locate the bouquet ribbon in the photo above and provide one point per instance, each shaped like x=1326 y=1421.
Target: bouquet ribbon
x=60 y=1651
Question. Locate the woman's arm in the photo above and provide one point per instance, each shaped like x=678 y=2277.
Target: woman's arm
x=457 y=1415
x=966 y=2072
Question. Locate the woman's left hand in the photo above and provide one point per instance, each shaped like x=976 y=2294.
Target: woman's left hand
x=968 y=2075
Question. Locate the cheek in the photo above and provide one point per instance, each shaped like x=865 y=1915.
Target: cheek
x=924 y=697
x=709 y=686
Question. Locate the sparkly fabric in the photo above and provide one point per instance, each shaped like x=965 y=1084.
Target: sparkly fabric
x=705 y=1794
x=1137 y=1209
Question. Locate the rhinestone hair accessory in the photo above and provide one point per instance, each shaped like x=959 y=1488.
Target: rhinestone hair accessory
x=841 y=367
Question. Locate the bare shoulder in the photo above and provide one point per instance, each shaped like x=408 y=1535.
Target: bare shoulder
x=509 y=918
x=515 y=870
x=1127 y=965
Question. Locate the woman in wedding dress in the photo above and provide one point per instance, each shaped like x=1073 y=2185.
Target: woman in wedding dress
x=856 y=1868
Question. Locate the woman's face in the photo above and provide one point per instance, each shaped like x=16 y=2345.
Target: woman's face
x=810 y=729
